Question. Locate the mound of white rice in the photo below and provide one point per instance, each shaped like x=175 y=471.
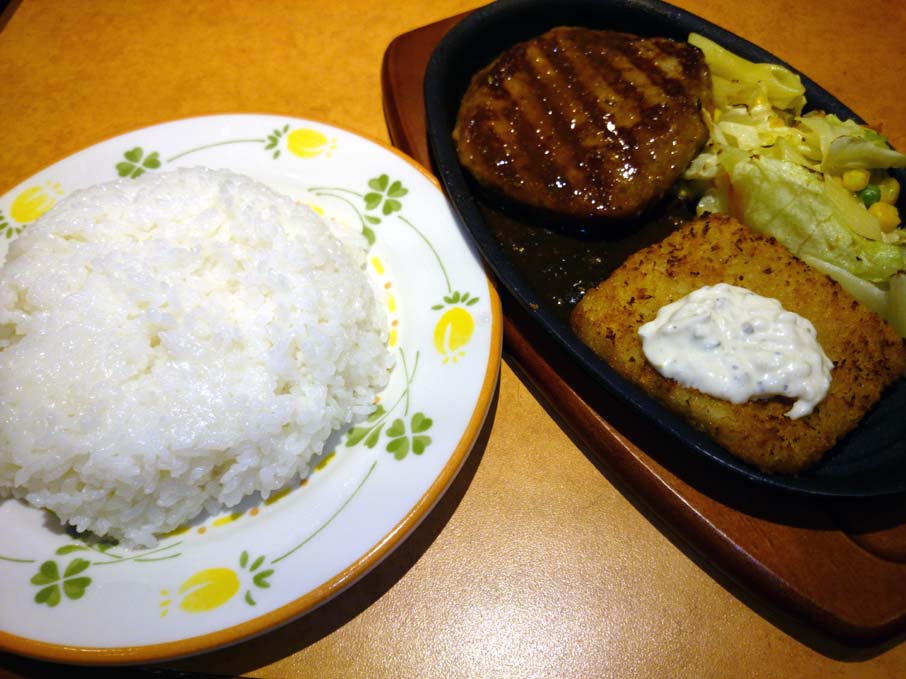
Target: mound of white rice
x=178 y=342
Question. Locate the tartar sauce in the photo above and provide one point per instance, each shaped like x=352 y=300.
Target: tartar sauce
x=733 y=344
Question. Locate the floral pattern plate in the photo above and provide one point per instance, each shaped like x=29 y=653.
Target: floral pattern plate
x=227 y=577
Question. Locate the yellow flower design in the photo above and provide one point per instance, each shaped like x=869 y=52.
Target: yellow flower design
x=308 y=143
x=208 y=589
x=452 y=332
x=34 y=202
x=454 y=329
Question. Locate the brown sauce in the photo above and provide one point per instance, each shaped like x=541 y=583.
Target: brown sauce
x=560 y=267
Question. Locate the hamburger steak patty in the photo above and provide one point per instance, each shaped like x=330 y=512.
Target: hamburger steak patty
x=585 y=124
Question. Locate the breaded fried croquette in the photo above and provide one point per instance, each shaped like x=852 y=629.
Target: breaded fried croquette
x=867 y=354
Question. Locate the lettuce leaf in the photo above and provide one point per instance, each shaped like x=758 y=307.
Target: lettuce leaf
x=846 y=145
x=791 y=203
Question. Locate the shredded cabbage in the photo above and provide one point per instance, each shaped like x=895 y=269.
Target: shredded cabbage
x=735 y=74
x=779 y=171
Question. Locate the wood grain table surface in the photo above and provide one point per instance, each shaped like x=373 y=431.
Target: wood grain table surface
x=536 y=563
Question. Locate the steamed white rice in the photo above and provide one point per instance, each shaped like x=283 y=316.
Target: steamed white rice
x=175 y=343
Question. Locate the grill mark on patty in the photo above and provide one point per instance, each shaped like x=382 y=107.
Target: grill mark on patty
x=577 y=80
x=638 y=112
x=495 y=133
x=649 y=64
x=528 y=117
x=626 y=108
x=494 y=144
x=550 y=85
x=652 y=95
x=690 y=67
x=597 y=133
x=581 y=88
x=601 y=143
x=634 y=79
x=620 y=94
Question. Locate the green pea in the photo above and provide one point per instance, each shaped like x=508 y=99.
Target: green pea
x=870 y=195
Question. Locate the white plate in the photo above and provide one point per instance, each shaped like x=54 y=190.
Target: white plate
x=231 y=576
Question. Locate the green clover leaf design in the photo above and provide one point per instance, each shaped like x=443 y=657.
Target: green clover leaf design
x=369 y=234
x=370 y=432
x=69 y=549
x=259 y=579
x=85 y=541
x=273 y=139
x=456 y=297
x=8 y=228
x=137 y=162
x=400 y=440
x=72 y=583
x=401 y=443
x=52 y=584
x=384 y=194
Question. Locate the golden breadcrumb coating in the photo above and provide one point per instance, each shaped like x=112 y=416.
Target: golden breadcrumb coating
x=867 y=354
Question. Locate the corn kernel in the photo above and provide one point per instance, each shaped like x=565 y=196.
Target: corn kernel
x=856 y=180
x=890 y=190
x=887 y=215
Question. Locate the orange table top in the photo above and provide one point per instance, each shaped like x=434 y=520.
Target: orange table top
x=535 y=563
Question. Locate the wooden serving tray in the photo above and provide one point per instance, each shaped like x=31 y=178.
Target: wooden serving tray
x=840 y=566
